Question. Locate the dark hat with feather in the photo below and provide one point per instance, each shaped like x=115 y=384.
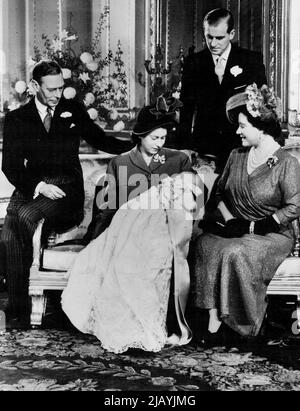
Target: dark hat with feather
x=162 y=114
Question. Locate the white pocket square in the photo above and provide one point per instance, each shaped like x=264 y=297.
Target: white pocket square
x=243 y=86
x=236 y=70
x=72 y=125
x=66 y=114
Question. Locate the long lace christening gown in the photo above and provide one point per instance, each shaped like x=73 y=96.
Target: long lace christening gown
x=119 y=286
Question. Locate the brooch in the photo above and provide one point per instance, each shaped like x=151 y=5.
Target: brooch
x=272 y=161
x=159 y=159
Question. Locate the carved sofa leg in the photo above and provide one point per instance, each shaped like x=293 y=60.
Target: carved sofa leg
x=39 y=301
x=298 y=312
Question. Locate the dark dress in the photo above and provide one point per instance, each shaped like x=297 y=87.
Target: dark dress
x=128 y=176
x=232 y=274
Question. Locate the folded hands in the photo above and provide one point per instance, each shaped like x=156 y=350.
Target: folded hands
x=237 y=227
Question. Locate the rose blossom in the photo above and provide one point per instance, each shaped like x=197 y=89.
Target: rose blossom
x=92 y=66
x=67 y=73
x=86 y=58
x=89 y=99
x=30 y=89
x=20 y=87
x=69 y=93
x=119 y=126
x=113 y=114
x=93 y=113
x=115 y=84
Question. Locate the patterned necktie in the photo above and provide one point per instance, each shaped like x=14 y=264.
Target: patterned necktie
x=47 y=119
x=219 y=69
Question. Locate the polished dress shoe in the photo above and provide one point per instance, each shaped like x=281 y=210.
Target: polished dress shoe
x=224 y=337
x=210 y=340
x=17 y=319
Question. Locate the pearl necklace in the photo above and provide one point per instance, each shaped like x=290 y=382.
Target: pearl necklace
x=255 y=159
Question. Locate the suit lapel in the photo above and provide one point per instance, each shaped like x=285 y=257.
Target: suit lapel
x=231 y=62
x=60 y=108
x=209 y=68
x=137 y=159
x=32 y=116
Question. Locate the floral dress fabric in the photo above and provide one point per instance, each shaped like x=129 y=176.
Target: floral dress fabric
x=232 y=274
x=119 y=286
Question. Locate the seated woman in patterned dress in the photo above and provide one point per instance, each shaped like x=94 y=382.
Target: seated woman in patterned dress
x=257 y=198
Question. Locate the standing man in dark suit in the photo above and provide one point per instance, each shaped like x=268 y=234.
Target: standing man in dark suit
x=209 y=78
x=40 y=158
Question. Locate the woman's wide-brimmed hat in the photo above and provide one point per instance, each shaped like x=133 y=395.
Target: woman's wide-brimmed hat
x=261 y=103
x=238 y=100
x=162 y=114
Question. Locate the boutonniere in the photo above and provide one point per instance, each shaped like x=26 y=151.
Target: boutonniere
x=66 y=114
x=236 y=71
x=159 y=159
x=272 y=161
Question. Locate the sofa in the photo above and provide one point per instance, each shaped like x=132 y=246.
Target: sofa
x=53 y=258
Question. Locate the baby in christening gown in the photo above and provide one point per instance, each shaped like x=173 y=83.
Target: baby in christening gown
x=119 y=285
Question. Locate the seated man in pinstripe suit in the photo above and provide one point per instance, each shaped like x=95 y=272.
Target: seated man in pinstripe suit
x=40 y=158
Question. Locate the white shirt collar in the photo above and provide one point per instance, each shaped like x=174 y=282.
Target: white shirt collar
x=42 y=109
x=223 y=56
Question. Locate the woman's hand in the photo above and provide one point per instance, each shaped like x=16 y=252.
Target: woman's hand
x=213 y=227
x=266 y=225
x=236 y=227
x=224 y=211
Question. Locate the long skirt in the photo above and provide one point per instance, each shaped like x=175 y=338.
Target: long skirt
x=232 y=275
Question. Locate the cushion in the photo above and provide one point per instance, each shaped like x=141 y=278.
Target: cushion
x=286 y=280
x=93 y=169
x=290 y=267
x=60 y=257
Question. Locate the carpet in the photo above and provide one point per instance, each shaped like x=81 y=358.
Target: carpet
x=56 y=360
x=53 y=359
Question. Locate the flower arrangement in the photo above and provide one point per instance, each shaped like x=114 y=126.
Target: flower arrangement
x=104 y=95
x=263 y=103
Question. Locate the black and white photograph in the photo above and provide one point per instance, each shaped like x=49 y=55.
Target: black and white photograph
x=150 y=198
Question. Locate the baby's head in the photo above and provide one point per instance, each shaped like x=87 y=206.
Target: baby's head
x=204 y=160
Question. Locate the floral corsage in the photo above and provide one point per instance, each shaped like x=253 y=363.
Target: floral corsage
x=272 y=161
x=159 y=159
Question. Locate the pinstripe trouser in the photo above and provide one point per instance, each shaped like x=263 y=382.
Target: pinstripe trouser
x=22 y=218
